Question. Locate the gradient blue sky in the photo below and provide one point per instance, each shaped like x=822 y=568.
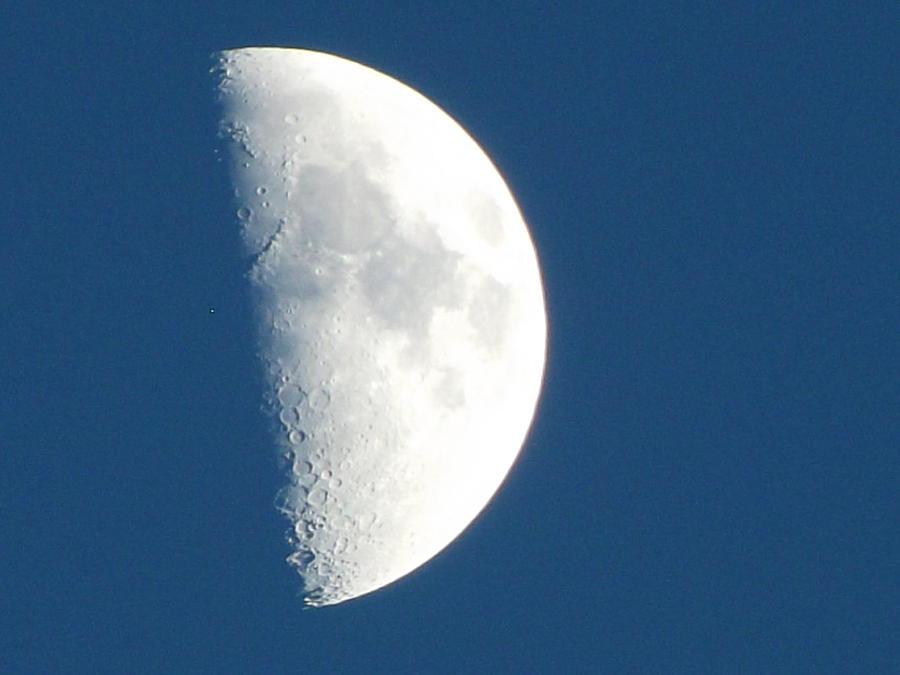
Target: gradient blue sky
x=711 y=480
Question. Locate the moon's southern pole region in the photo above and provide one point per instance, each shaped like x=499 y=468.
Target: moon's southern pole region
x=401 y=316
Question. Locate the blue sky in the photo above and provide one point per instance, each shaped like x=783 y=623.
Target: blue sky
x=711 y=479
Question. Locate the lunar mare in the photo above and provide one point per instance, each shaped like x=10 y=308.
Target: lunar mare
x=401 y=317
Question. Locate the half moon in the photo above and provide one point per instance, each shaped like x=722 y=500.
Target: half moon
x=401 y=316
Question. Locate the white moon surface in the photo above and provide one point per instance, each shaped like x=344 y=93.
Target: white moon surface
x=400 y=307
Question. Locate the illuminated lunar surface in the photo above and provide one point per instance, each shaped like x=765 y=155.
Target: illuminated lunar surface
x=401 y=314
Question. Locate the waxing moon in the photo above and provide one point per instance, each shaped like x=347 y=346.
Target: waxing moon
x=401 y=315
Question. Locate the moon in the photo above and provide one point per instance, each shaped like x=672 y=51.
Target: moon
x=401 y=320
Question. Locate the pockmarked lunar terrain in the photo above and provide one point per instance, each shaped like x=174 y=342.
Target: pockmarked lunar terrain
x=401 y=317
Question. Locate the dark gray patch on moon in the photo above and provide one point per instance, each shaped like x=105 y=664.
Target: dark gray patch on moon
x=340 y=208
x=449 y=391
x=489 y=313
x=406 y=280
x=486 y=216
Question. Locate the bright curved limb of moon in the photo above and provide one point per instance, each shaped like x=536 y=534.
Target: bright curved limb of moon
x=402 y=322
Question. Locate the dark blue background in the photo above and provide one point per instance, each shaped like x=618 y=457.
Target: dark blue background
x=711 y=480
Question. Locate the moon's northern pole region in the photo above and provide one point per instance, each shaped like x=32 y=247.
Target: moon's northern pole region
x=401 y=317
